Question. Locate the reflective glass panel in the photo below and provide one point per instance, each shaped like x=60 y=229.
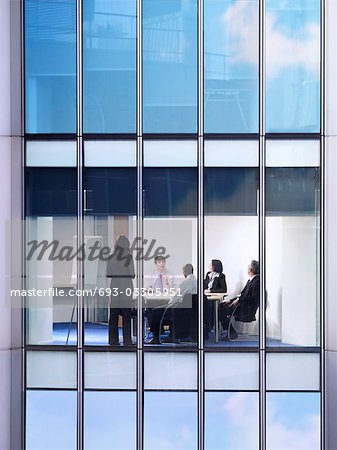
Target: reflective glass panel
x=170 y=285
x=109 y=66
x=50 y=64
x=169 y=66
x=231 y=66
x=110 y=208
x=110 y=420
x=232 y=371
x=110 y=370
x=293 y=421
x=231 y=421
x=231 y=244
x=166 y=370
x=51 y=369
x=293 y=371
x=50 y=154
x=51 y=420
x=293 y=252
x=177 y=428
x=51 y=235
x=293 y=66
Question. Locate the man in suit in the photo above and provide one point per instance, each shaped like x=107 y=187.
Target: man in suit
x=248 y=301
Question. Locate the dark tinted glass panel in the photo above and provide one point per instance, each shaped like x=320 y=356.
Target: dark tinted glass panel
x=51 y=192
x=170 y=191
x=109 y=66
x=50 y=51
x=231 y=190
x=110 y=191
x=231 y=66
x=292 y=190
x=170 y=66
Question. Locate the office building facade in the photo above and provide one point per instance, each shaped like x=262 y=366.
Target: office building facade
x=200 y=130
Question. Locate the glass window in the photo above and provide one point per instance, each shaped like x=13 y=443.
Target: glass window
x=231 y=193
x=110 y=210
x=51 y=154
x=170 y=222
x=170 y=370
x=293 y=371
x=170 y=153
x=177 y=426
x=232 y=371
x=110 y=420
x=51 y=420
x=293 y=252
x=51 y=234
x=293 y=66
x=51 y=369
x=232 y=421
x=293 y=421
x=110 y=153
x=231 y=66
x=109 y=66
x=110 y=370
x=169 y=66
x=50 y=60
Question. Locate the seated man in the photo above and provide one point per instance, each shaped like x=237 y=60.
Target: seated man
x=183 y=312
x=188 y=286
x=248 y=302
x=161 y=278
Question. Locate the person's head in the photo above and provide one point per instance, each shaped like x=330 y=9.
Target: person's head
x=216 y=266
x=187 y=270
x=122 y=242
x=253 y=268
x=160 y=263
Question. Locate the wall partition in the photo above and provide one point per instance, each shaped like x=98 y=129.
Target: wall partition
x=179 y=142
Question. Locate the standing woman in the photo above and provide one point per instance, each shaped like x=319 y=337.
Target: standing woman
x=121 y=271
x=215 y=281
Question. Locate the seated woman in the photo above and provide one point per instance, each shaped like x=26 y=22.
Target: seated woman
x=215 y=281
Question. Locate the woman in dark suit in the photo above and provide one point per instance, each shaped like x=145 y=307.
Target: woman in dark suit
x=215 y=281
x=121 y=271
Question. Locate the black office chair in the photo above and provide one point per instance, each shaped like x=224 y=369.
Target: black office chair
x=240 y=337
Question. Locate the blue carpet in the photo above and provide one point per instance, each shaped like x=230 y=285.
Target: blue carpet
x=97 y=334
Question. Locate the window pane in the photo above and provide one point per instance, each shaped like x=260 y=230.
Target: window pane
x=293 y=66
x=110 y=153
x=231 y=240
x=170 y=370
x=50 y=59
x=231 y=66
x=51 y=369
x=170 y=200
x=51 y=216
x=293 y=421
x=169 y=66
x=51 y=420
x=50 y=154
x=170 y=153
x=177 y=425
x=110 y=208
x=232 y=371
x=293 y=252
x=231 y=421
x=110 y=370
x=293 y=371
x=110 y=420
x=109 y=66
x=231 y=153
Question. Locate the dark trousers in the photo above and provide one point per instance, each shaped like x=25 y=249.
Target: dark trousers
x=225 y=312
x=113 y=325
x=208 y=315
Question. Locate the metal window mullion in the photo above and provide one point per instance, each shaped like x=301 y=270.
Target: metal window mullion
x=262 y=226
x=323 y=222
x=139 y=125
x=80 y=231
x=200 y=225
